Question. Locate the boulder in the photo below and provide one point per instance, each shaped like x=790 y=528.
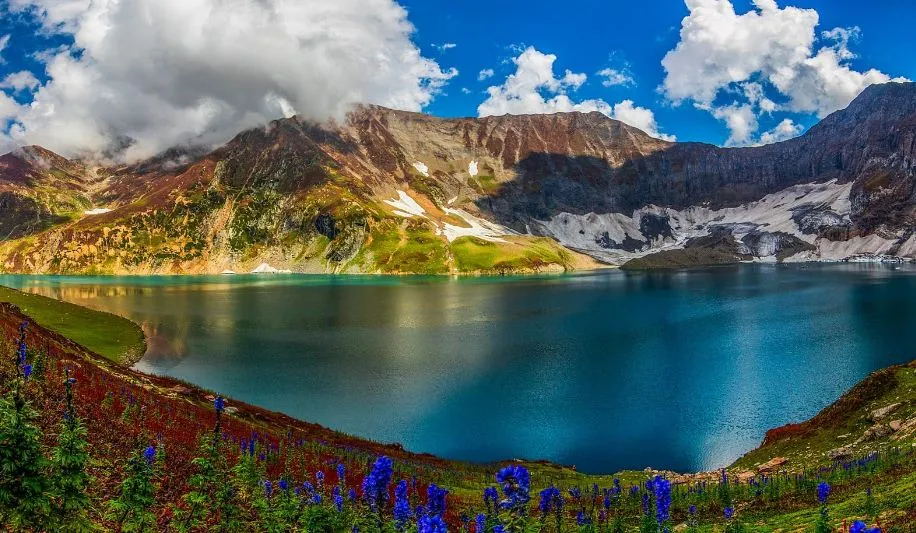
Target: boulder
x=840 y=454
x=744 y=477
x=772 y=465
x=879 y=414
x=878 y=431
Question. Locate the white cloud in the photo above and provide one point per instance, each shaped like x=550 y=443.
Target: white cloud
x=233 y=64
x=4 y=41
x=535 y=89
x=785 y=130
x=614 y=77
x=445 y=46
x=740 y=120
x=766 y=49
x=20 y=81
x=465 y=90
x=9 y=108
x=638 y=117
x=485 y=74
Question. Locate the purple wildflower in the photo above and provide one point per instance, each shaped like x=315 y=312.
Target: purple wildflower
x=149 y=454
x=516 y=483
x=401 y=506
x=431 y=524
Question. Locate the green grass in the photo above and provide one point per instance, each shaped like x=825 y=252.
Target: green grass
x=413 y=248
x=486 y=184
x=477 y=255
x=108 y=335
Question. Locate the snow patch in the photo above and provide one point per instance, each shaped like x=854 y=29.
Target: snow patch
x=405 y=206
x=421 y=168
x=601 y=235
x=480 y=228
x=265 y=268
x=472 y=168
x=97 y=211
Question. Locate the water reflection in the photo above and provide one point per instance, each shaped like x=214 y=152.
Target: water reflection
x=680 y=370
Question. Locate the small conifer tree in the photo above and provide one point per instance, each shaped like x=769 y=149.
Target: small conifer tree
x=71 y=503
x=131 y=509
x=24 y=502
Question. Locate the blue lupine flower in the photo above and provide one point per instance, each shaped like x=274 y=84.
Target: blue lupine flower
x=341 y=471
x=219 y=404
x=575 y=492
x=490 y=496
x=284 y=485
x=319 y=477
x=351 y=494
x=149 y=454
x=251 y=448
x=338 y=499
x=498 y=529
x=480 y=523
x=268 y=488
x=516 y=484
x=431 y=524
x=692 y=510
x=435 y=499
x=662 y=489
x=582 y=520
x=317 y=498
x=823 y=490
x=645 y=503
x=550 y=499
x=401 y=505
x=729 y=513
x=26 y=371
x=859 y=527
x=375 y=485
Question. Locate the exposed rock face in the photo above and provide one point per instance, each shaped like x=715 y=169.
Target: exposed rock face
x=318 y=197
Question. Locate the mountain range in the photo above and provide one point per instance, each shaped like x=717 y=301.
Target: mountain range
x=387 y=191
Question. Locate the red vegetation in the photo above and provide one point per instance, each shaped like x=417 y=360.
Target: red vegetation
x=125 y=411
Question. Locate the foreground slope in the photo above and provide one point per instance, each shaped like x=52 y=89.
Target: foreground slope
x=862 y=443
x=397 y=192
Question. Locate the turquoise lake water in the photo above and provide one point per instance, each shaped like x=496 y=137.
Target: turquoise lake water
x=611 y=370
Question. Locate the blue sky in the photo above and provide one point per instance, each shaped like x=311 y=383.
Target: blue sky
x=588 y=35
x=81 y=77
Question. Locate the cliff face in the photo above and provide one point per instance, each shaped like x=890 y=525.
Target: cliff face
x=390 y=191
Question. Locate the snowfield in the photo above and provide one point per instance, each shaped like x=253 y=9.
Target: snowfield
x=604 y=235
x=405 y=206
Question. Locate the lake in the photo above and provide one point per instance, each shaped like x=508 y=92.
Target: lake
x=610 y=370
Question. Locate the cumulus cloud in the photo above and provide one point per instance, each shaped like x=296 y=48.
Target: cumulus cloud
x=769 y=48
x=150 y=74
x=783 y=131
x=614 y=77
x=20 y=81
x=485 y=74
x=4 y=41
x=445 y=46
x=534 y=88
x=740 y=120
